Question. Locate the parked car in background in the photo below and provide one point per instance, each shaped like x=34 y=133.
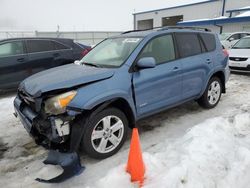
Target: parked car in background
x=121 y=80
x=229 y=39
x=22 y=57
x=85 y=47
x=239 y=56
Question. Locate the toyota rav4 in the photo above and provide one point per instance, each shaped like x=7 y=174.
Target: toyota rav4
x=92 y=104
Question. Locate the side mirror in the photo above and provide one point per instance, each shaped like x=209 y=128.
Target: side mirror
x=77 y=62
x=146 y=62
x=231 y=39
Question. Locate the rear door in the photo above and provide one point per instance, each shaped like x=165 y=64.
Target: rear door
x=41 y=53
x=196 y=64
x=159 y=87
x=13 y=60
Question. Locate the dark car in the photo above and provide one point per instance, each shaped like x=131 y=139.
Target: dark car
x=22 y=57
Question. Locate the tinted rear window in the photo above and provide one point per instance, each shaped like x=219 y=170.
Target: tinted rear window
x=209 y=41
x=39 y=46
x=188 y=44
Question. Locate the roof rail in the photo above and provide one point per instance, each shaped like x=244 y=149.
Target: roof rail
x=170 y=27
x=186 y=27
x=137 y=30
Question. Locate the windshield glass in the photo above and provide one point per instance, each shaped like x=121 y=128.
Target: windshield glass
x=224 y=36
x=111 y=52
x=243 y=44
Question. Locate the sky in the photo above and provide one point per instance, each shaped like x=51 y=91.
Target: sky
x=75 y=15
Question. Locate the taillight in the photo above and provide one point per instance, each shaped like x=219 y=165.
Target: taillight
x=85 y=51
x=225 y=52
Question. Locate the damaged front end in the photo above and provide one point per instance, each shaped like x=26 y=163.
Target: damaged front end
x=54 y=127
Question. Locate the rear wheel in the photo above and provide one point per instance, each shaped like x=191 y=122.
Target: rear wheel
x=212 y=94
x=105 y=133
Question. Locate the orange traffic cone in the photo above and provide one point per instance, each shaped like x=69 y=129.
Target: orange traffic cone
x=135 y=166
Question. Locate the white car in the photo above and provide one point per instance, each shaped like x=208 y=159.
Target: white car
x=239 y=56
x=229 y=39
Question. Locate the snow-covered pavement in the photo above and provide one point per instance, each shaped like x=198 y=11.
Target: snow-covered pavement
x=186 y=146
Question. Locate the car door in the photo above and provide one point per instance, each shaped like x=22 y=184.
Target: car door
x=196 y=65
x=159 y=87
x=13 y=60
x=41 y=54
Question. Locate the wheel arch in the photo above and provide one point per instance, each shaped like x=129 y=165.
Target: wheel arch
x=221 y=76
x=119 y=103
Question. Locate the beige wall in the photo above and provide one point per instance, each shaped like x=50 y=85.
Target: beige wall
x=200 y=11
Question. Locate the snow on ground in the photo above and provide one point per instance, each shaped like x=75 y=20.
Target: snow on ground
x=186 y=146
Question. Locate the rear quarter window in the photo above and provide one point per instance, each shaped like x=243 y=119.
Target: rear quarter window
x=209 y=41
x=60 y=46
x=188 y=44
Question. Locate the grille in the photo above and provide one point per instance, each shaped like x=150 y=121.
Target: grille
x=238 y=58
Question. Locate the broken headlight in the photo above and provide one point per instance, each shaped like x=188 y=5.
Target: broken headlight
x=57 y=104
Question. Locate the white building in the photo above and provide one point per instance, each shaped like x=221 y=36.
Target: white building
x=218 y=15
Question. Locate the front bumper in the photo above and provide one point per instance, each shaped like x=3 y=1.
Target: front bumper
x=51 y=133
x=25 y=114
x=239 y=66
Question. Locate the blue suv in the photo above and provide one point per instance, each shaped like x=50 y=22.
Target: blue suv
x=91 y=104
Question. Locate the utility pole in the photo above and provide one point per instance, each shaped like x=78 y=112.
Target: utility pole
x=57 y=32
x=222 y=14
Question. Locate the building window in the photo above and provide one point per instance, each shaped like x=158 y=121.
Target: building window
x=145 y=24
x=173 y=20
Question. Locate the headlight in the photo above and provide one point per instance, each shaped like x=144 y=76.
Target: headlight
x=57 y=104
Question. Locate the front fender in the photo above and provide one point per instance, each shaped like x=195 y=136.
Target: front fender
x=95 y=94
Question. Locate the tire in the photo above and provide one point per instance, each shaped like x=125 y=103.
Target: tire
x=212 y=94
x=101 y=139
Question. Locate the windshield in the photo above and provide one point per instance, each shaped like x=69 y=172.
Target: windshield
x=224 y=36
x=111 y=52
x=242 y=44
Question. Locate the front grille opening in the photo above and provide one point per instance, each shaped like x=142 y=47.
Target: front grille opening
x=238 y=58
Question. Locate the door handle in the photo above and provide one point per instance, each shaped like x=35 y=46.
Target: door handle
x=208 y=61
x=20 y=59
x=175 y=69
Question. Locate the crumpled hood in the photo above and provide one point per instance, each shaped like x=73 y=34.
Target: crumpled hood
x=63 y=77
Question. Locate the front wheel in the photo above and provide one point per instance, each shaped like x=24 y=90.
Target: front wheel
x=212 y=94
x=105 y=133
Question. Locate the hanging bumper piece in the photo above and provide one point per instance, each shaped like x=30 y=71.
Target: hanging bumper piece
x=70 y=163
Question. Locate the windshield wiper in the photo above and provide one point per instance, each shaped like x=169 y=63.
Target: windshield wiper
x=91 y=64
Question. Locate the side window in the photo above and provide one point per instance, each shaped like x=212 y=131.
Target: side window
x=11 y=48
x=59 y=46
x=234 y=37
x=161 y=48
x=188 y=44
x=243 y=35
x=209 y=41
x=39 y=46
